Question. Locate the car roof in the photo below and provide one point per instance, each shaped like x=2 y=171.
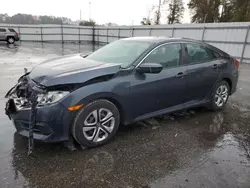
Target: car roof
x=2 y=27
x=159 y=39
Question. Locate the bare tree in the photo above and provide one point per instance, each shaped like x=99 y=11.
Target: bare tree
x=158 y=14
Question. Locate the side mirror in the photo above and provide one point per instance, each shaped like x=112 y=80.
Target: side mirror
x=153 y=68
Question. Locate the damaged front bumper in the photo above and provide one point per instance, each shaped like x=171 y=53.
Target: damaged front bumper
x=51 y=121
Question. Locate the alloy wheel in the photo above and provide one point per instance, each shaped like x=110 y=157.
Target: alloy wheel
x=221 y=95
x=98 y=125
x=11 y=40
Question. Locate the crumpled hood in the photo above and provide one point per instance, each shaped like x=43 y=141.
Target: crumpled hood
x=70 y=69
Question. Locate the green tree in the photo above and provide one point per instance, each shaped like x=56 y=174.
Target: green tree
x=204 y=11
x=176 y=10
x=220 y=10
x=110 y=24
x=87 y=23
x=31 y=19
x=241 y=10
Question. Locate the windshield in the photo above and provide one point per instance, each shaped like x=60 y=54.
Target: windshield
x=124 y=52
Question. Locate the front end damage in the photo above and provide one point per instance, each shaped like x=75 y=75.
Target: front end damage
x=24 y=95
x=39 y=104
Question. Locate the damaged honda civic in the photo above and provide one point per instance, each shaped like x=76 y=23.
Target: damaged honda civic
x=87 y=97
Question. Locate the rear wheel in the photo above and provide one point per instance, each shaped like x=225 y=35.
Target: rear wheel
x=96 y=123
x=220 y=96
x=11 y=40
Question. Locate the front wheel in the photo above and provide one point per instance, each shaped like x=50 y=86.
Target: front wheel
x=96 y=123
x=220 y=96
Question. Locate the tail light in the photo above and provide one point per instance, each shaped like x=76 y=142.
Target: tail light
x=237 y=63
x=16 y=33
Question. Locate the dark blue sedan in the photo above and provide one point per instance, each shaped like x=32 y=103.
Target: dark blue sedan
x=129 y=80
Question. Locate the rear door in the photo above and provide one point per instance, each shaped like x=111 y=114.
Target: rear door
x=203 y=70
x=2 y=33
x=153 y=92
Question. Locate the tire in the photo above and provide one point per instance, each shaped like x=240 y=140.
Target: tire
x=10 y=40
x=96 y=123
x=219 y=96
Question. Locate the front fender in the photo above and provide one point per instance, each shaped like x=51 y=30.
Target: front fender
x=114 y=89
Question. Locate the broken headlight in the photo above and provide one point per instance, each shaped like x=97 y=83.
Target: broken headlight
x=51 y=97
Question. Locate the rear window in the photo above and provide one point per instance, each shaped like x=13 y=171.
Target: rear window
x=12 y=30
x=198 y=54
x=2 y=30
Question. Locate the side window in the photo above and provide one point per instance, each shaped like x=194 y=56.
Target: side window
x=2 y=30
x=168 y=55
x=196 y=53
x=11 y=30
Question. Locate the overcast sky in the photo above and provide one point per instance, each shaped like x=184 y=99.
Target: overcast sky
x=122 y=12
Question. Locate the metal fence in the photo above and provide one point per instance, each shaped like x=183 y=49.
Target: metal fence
x=233 y=38
x=53 y=33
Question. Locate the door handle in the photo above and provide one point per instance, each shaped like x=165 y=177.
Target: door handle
x=180 y=75
x=215 y=66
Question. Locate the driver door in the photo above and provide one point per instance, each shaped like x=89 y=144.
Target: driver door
x=155 y=92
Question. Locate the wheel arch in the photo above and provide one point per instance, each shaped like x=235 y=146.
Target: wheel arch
x=229 y=81
x=111 y=98
x=118 y=104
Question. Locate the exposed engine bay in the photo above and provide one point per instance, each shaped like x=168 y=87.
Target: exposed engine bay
x=21 y=93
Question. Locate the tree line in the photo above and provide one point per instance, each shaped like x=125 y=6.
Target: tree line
x=31 y=19
x=202 y=11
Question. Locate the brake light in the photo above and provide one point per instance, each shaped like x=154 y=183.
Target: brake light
x=237 y=63
x=16 y=33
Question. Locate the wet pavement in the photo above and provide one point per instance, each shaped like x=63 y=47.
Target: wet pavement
x=192 y=149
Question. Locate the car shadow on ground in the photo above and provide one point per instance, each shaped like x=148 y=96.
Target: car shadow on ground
x=165 y=121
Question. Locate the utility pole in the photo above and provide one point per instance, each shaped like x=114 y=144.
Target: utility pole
x=90 y=11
